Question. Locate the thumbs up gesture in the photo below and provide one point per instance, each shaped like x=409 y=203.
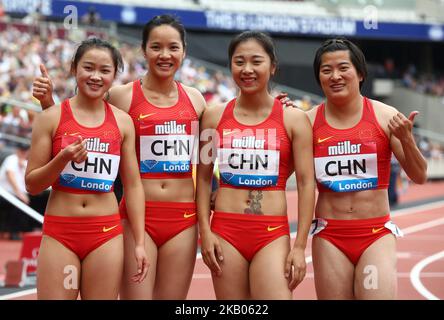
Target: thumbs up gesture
x=42 y=88
x=401 y=127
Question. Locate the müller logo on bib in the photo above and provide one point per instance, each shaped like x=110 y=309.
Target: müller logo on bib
x=349 y=165
x=168 y=146
x=98 y=171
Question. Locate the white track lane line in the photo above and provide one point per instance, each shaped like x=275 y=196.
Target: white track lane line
x=18 y=294
x=415 y=275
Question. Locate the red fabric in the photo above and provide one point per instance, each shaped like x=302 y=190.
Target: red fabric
x=282 y=143
x=183 y=111
x=367 y=130
x=353 y=237
x=164 y=220
x=82 y=235
x=69 y=128
x=249 y=233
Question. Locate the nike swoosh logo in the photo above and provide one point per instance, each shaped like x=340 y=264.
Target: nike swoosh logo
x=72 y=134
x=105 y=229
x=377 y=230
x=226 y=133
x=325 y=139
x=143 y=116
x=187 y=215
x=269 y=229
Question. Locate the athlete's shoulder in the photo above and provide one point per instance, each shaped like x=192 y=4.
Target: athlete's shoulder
x=48 y=118
x=383 y=110
x=120 y=95
x=213 y=114
x=311 y=114
x=215 y=109
x=294 y=112
x=119 y=114
x=196 y=98
x=191 y=90
x=120 y=88
x=50 y=113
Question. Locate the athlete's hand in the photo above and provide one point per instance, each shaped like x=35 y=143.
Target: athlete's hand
x=76 y=151
x=42 y=88
x=401 y=127
x=142 y=264
x=212 y=252
x=295 y=267
x=285 y=100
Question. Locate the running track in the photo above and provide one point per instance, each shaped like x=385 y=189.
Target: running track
x=420 y=252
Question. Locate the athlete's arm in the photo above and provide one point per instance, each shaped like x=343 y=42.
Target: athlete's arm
x=211 y=249
x=402 y=142
x=42 y=171
x=133 y=191
x=302 y=146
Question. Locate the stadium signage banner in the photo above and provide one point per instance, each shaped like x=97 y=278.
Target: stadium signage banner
x=224 y=20
x=28 y=6
x=280 y=23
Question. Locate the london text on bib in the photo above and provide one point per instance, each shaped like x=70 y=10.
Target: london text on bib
x=347 y=166
x=98 y=171
x=167 y=146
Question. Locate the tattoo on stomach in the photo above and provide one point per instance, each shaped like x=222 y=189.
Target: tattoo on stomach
x=254 y=202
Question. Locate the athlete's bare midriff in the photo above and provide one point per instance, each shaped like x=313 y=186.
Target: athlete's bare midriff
x=255 y=201
x=352 y=205
x=81 y=205
x=171 y=190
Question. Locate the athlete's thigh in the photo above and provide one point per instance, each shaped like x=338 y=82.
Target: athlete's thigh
x=58 y=271
x=267 y=279
x=129 y=289
x=333 y=271
x=102 y=271
x=233 y=283
x=375 y=274
x=175 y=265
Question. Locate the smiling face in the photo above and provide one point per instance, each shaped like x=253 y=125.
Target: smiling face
x=95 y=72
x=164 y=51
x=251 y=66
x=338 y=76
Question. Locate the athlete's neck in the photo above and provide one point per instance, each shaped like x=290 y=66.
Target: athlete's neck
x=84 y=103
x=344 y=108
x=255 y=102
x=166 y=87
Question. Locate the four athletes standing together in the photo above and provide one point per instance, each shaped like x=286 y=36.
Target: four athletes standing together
x=346 y=143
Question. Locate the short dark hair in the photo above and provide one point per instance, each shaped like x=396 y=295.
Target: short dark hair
x=163 y=19
x=94 y=43
x=357 y=57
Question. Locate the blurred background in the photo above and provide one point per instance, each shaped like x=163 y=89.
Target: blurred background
x=403 y=41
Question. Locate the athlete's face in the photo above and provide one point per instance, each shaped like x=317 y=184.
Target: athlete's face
x=251 y=67
x=164 y=51
x=95 y=72
x=338 y=76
